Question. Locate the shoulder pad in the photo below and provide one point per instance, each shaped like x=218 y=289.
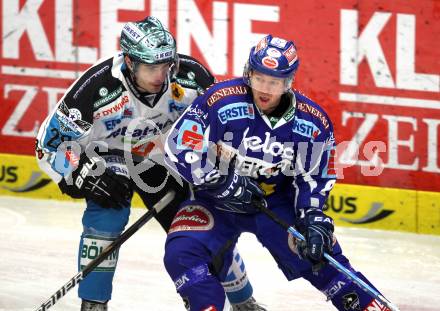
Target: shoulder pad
x=192 y=74
x=306 y=105
x=221 y=91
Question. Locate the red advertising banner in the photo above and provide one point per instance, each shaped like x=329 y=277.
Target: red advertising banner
x=373 y=65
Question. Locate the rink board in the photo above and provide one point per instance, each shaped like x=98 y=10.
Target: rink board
x=350 y=205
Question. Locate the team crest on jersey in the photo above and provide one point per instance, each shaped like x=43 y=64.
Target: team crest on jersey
x=191 y=136
x=192 y=218
x=306 y=129
x=69 y=121
x=236 y=111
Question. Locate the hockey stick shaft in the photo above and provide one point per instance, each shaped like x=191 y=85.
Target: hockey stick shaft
x=107 y=251
x=337 y=265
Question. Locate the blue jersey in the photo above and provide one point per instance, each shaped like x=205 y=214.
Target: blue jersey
x=291 y=155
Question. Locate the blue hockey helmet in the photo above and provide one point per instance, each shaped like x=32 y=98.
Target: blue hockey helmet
x=275 y=57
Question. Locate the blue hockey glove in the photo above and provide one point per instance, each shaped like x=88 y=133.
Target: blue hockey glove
x=233 y=193
x=108 y=189
x=317 y=229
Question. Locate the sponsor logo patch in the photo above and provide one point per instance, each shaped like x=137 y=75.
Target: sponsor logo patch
x=191 y=136
x=133 y=32
x=236 y=111
x=192 y=218
x=306 y=129
x=290 y=55
x=187 y=83
x=261 y=45
x=164 y=55
x=177 y=92
x=91 y=248
x=112 y=110
x=330 y=170
x=108 y=97
x=141 y=133
x=110 y=124
x=269 y=62
x=273 y=52
x=227 y=91
x=314 y=112
x=334 y=289
x=176 y=106
x=269 y=145
x=103 y=91
x=278 y=42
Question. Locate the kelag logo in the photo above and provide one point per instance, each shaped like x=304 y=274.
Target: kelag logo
x=236 y=111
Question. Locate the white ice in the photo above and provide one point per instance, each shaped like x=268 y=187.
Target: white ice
x=39 y=239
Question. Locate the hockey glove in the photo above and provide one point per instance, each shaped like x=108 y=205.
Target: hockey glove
x=317 y=229
x=233 y=193
x=94 y=181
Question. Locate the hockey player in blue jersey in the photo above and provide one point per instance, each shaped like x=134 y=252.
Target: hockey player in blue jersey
x=125 y=103
x=247 y=139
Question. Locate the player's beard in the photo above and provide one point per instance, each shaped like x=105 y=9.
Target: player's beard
x=266 y=102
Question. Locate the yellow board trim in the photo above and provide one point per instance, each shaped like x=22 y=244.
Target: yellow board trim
x=21 y=176
x=349 y=205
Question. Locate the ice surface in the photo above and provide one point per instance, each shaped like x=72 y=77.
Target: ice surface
x=39 y=239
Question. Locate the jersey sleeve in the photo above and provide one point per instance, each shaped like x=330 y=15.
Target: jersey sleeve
x=317 y=175
x=66 y=129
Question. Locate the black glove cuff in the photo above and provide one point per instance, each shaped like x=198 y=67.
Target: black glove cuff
x=70 y=190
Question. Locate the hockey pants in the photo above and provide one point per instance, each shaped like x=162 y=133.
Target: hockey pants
x=199 y=232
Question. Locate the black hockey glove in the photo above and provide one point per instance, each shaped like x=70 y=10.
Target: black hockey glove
x=317 y=229
x=233 y=193
x=94 y=181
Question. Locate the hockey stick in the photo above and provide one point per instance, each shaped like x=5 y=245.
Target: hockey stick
x=107 y=251
x=364 y=286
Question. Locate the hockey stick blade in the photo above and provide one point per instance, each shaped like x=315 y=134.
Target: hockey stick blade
x=338 y=266
x=167 y=198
